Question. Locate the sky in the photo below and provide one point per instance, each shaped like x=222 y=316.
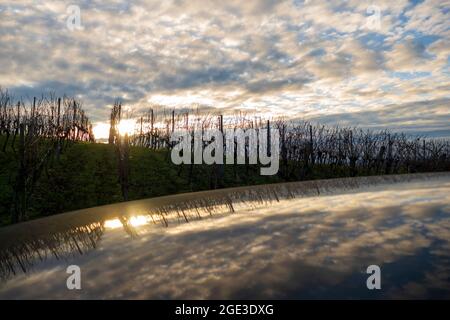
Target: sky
x=375 y=64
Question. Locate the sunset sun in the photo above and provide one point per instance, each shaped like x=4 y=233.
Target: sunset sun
x=101 y=129
x=127 y=127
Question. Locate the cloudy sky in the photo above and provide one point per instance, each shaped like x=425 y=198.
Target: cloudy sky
x=375 y=63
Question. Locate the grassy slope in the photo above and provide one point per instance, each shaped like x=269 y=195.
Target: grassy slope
x=86 y=176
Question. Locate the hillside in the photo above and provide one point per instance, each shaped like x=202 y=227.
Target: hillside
x=86 y=175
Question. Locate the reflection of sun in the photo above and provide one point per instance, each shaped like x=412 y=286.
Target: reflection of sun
x=134 y=221
x=113 y=224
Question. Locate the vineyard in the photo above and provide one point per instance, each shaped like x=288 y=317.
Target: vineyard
x=307 y=150
x=50 y=162
x=34 y=135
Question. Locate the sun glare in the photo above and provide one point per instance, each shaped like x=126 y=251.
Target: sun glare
x=127 y=127
x=134 y=221
x=101 y=129
x=113 y=224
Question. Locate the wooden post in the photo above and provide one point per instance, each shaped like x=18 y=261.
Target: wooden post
x=152 y=143
x=311 y=145
x=73 y=119
x=20 y=186
x=141 y=136
x=173 y=126
x=221 y=166
x=58 y=131
x=18 y=113
x=389 y=155
x=58 y=114
x=173 y=121
x=339 y=148
x=424 y=150
x=268 y=138
x=34 y=108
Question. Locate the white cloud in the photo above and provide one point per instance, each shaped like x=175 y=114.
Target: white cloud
x=282 y=57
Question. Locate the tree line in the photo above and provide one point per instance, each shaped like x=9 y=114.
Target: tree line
x=305 y=148
x=36 y=133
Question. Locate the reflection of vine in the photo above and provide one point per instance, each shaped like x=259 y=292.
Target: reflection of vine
x=22 y=245
x=127 y=227
x=192 y=206
x=61 y=245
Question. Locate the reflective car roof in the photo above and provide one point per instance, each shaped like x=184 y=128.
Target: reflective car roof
x=311 y=239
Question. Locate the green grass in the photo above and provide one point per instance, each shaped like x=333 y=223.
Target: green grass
x=86 y=175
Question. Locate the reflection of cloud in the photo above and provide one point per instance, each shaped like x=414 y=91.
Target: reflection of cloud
x=62 y=244
x=316 y=247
